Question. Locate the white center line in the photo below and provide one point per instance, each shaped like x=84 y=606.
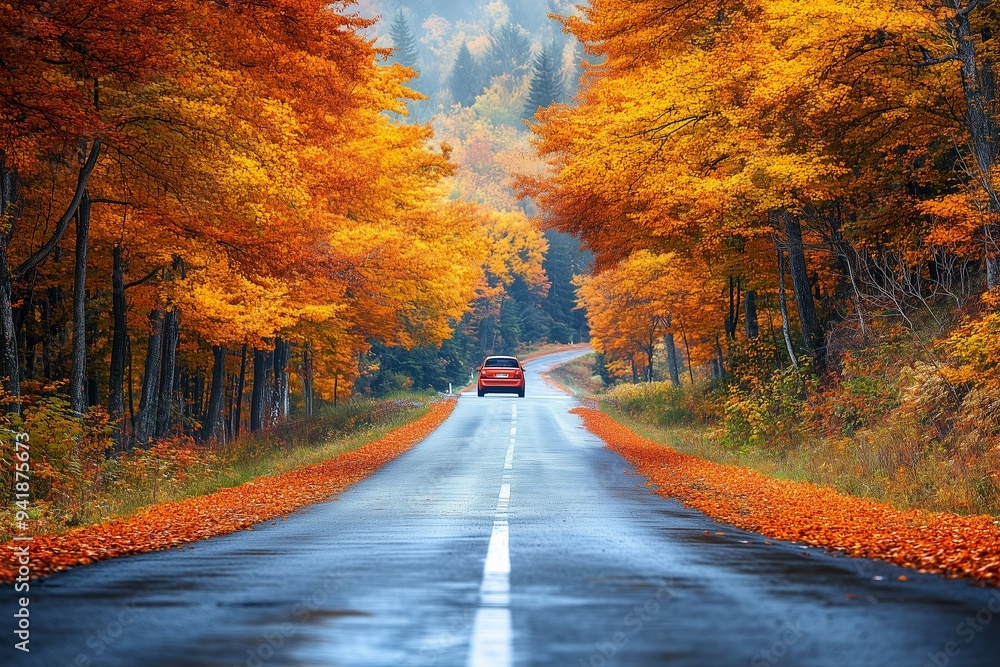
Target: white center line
x=491 y=631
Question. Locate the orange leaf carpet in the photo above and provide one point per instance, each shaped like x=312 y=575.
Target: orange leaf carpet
x=957 y=546
x=175 y=523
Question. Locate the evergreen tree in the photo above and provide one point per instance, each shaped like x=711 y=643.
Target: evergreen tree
x=404 y=44
x=510 y=50
x=465 y=82
x=509 y=334
x=562 y=263
x=546 y=82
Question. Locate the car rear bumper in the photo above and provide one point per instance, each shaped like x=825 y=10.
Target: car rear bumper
x=501 y=386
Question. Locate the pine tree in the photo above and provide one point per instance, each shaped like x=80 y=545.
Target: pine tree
x=465 y=83
x=404 y=44
x=546 y=82
x=510 y=50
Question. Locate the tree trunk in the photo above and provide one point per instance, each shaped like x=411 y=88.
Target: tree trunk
x=168 y=371
x=21 y=313
x=119 y=339
x=281 y=354
x=672 y=365
x=980 y=112
x=240 y=388
x=257 y=395
x=812 y=335
x=93 y=389
x=198 y=395
x=93 y=380
x=720 y=358
x=9 y=366
x=786 y=329
x=78 y=373
x=130 y=384
x=215 y=394
x=650 y=351
x=687 y=352
x=148 y=402
x=733 y=319
x=635 y=371
x=307 y=380
x=31 y=356
x=185 y=405
x=9 y=211
x=750 y=306
x=51 y=367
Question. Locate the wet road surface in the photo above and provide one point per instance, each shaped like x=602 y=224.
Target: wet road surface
x=508 y=537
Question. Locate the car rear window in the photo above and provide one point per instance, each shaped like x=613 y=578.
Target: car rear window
x=501 y=363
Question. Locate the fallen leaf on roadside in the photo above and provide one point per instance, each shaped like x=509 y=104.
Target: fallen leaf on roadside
x=957 y=546
x=226 y=511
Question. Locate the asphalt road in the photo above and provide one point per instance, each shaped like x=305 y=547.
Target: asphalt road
x=508 y=537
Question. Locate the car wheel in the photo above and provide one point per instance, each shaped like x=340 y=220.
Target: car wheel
x=481 y=393
x=520 y=394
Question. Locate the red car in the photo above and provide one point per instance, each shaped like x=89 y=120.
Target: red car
x=501 y=375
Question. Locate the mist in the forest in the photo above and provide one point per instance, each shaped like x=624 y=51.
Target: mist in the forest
x=529 y=13
x=486 y=67
x=506 y=56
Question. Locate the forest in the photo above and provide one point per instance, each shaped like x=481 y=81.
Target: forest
x=775 y=218
x=235 y=212
x=484 y=68
x=218 y=216
x=792 y=208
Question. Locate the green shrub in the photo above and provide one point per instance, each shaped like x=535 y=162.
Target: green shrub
x=657 y=403
x=772 y=414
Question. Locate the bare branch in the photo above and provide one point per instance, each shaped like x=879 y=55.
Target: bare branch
x=146 y=278
x=63 y=224
x=930 y=60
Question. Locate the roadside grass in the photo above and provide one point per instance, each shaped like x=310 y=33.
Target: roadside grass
x=702 y=441
x=168 y=525
x=578 y=376
x=886 y=464
x=296 y=444
x=810 y=514
x=888 y=461
x=173 y=470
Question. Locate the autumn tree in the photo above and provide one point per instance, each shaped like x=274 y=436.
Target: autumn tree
x=64 y=66
x=244 y=213
x=741 y=128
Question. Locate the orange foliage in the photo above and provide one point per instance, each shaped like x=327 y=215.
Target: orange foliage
x=632 y=305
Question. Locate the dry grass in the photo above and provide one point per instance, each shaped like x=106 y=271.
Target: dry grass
x=172 y=471
x=888 y=463
x=578 y=376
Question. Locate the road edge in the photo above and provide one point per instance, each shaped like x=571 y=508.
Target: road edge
x=931 y=542
x=174 y=524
